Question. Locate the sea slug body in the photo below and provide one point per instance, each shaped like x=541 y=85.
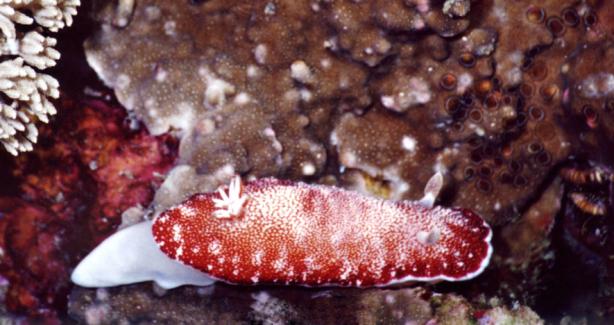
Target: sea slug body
x=271 y=231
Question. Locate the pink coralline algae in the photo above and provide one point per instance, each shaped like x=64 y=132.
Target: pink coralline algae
x=89 y=167
x=273 y=231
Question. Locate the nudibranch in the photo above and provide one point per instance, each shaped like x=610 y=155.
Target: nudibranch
x=271 y=231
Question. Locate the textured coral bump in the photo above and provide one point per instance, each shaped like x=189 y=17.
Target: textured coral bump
x=273 y=231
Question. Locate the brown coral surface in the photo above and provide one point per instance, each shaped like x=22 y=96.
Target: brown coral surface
x=477 y=95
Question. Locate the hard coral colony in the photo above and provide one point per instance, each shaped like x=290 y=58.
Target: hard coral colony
x=274 y=231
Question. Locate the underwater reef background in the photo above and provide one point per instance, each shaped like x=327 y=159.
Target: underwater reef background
x=513 y=101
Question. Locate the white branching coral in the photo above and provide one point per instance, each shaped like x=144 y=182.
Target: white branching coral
x=25 y=91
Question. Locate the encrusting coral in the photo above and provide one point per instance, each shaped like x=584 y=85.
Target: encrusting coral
x=26 y=91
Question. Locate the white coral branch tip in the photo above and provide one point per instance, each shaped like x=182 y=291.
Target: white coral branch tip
x=230 y=204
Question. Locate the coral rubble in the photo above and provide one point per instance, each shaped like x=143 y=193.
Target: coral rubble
x=27 y=92
x=237 y=305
